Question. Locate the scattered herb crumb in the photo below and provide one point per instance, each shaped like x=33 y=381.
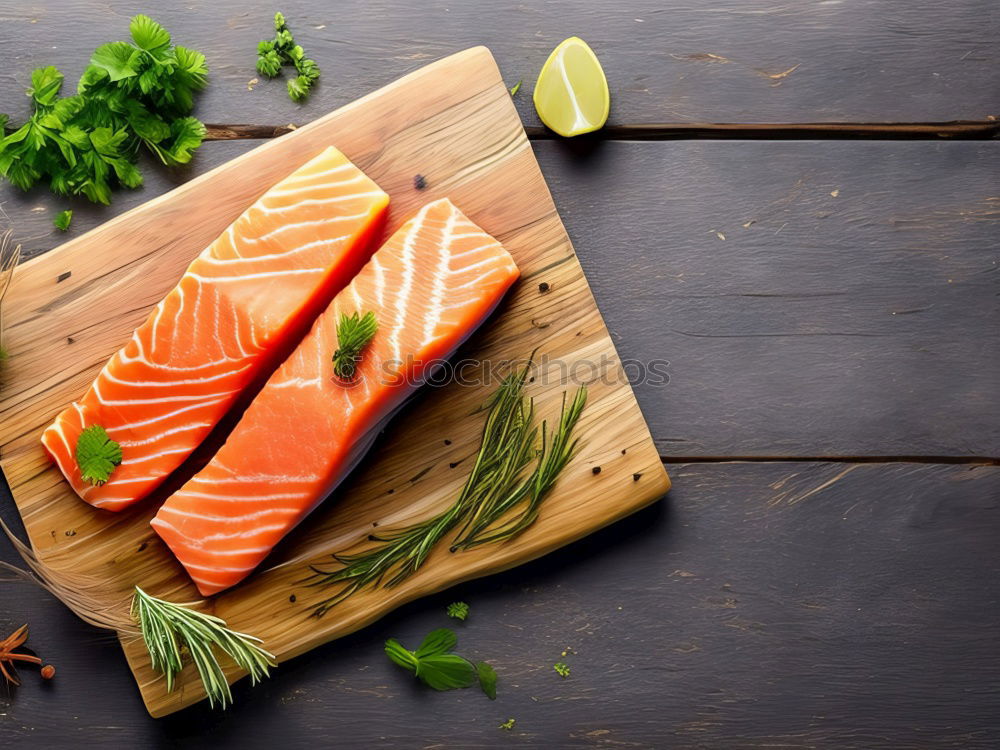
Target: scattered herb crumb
x=458 y=610
x=62 y=220
x=636 y=477
x=562 y=668
x=419 y=182
x=543 y=287
x=508 y=725
x=515 y=88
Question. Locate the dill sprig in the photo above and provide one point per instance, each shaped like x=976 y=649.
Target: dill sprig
x=354 y=333
x=9 y=255
x=496 y=486
x=169 y=628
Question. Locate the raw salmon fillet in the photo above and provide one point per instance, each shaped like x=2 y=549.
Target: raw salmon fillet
x=430 y=286
x=252 y=292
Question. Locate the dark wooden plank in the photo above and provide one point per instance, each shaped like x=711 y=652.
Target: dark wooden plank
x=666 y=60
x=849 y=310
x=762 y=604
x=831 y=326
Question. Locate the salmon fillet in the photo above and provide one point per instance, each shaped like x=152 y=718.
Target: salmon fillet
x=250 y=294
x=430 y=286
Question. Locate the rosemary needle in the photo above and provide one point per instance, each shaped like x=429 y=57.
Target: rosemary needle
x=166 y=628
x=496 y=486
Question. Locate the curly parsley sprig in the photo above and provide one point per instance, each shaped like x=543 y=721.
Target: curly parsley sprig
x=282 y=50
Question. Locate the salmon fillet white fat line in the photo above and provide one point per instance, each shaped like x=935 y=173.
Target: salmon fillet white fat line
x=252 y=292
x=430 y=286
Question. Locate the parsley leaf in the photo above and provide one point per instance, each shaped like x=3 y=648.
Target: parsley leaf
x=562 y=668
x=438 y=668
x=148 y=34
x=354 y=333
x=97 y=455
x=63 y=219
x=458 y=610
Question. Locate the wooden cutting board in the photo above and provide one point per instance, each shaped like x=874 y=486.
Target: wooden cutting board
x=69 y=310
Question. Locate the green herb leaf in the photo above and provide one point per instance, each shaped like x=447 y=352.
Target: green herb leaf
x=515 y=88
x=115 y=59
x=458 y=610
x=508 y=725
x=298 y=88
x=63 y=219
x=187 y=133
x=487 y=679
x=148 y=34
x=168 y=628
x=438 y=668
x=97 y=455
x=446 y=672
x=354 y=333
x=562 y=668
x=269 y=64
x=439 y=641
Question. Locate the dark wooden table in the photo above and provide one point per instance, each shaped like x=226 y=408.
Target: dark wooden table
x=797 y=205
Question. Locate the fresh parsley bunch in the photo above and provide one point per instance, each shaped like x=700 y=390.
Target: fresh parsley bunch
x=131 y=94
x=282 y=50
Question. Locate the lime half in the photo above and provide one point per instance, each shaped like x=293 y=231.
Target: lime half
x=571 y=95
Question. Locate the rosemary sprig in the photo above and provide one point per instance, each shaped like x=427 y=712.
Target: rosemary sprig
x=496 y=486
x=8 y=259
x=482 y=526
x=168 y=628
x=354 y=333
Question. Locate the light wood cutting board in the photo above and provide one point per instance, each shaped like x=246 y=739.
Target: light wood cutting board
x=69 y=310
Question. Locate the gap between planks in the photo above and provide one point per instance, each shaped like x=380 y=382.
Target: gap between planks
x=978 y=130
x=955 y=460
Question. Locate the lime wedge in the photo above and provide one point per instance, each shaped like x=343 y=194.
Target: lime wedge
x=571 y=95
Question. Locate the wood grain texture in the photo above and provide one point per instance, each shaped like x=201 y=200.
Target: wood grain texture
x=813 y=299
x=793 y=605
x=855 y=325
x=732 y=61
x=452 y=122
